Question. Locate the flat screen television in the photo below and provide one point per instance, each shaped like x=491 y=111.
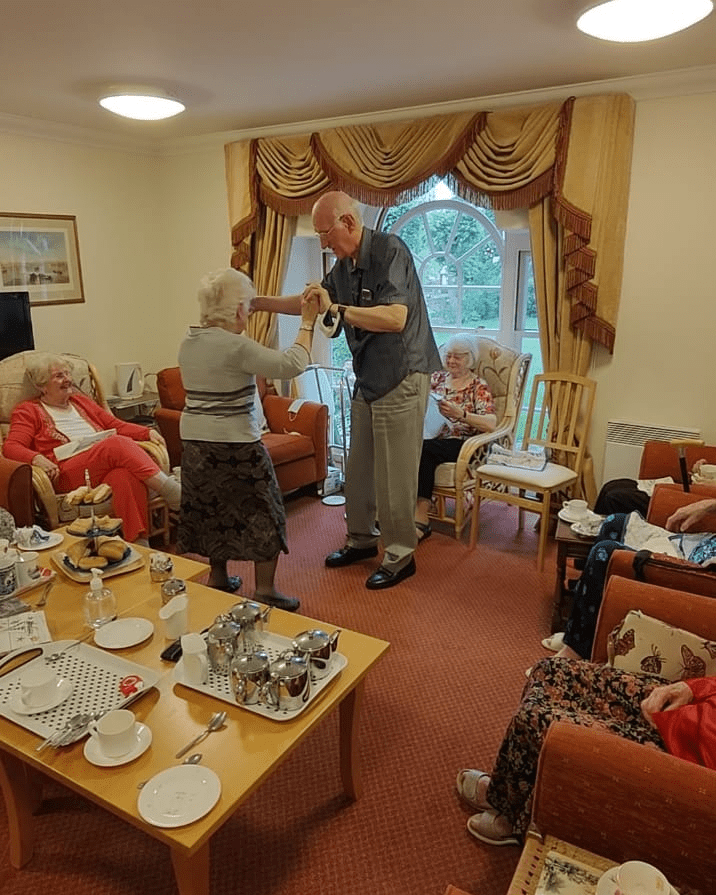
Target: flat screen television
x=15 y=323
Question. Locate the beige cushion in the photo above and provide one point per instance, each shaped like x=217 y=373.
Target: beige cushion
x=445 y=475
x=15 y=385
x=641 y=643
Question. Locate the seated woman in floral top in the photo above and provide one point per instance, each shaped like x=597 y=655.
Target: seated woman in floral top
x=466 y=403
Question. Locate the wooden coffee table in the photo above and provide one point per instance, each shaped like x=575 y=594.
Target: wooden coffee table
x=245 y=753
x=569 y=546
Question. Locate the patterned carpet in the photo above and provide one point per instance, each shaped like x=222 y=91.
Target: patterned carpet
x=462 y=632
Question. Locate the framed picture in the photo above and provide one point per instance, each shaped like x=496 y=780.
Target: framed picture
x=39 y=255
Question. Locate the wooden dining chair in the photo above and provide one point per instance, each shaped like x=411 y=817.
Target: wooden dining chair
x=558 y=421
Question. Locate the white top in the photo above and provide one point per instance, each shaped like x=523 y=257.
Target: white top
x=218 y=370
x=69 y=421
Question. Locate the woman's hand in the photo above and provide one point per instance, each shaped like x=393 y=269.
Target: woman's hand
x=687 y=516
x=309 y=307
x=451 y=411
x=52 y=469
x=316 y=290
x=156 y=438
x=666 y=698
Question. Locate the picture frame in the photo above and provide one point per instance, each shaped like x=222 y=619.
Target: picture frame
x=39 y=253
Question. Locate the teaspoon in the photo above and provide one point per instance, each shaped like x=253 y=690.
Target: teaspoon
x=215 y=722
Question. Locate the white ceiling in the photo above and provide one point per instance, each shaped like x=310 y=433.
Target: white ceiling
x=240 y=65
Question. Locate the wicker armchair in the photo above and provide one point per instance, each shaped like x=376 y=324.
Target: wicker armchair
x=505 y=372
x=15 y=387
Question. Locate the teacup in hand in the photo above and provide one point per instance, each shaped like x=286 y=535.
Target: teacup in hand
x=577 y=509
x=114 y=732
x=640 y=878
x=38 y=686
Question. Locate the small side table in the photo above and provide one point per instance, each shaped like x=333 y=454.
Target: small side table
x=569 y=545
x=141 y=408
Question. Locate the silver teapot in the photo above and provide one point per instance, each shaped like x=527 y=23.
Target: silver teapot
x=249 y=674
x=222 y=641
x=318 y=648
x=289 y=683
x=250 y=616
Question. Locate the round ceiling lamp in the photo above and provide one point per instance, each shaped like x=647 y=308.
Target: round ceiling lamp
x=630 y=21
x=142 y=103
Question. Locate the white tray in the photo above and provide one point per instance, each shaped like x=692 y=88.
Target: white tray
x=219 y=685
x=95 y=677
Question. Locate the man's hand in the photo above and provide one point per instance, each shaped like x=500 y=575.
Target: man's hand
x=316 y=291
x=666 y=698
x=685 y=517
x=52 y=469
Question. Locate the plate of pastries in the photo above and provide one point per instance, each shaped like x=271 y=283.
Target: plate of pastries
x=108 y=553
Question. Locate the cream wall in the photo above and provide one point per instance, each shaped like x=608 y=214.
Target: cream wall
x=151 y=226
x=662 y=368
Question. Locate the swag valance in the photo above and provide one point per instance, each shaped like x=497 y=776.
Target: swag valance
x=568 y=162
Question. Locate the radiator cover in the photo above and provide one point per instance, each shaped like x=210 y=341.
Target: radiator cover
x=625 y=440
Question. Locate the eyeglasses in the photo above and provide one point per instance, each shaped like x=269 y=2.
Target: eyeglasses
x=324 y=234
x=455 y=355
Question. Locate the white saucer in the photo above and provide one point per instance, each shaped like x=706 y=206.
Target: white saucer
x=179 y=796
x=64 y=688
x=585 y=531
x=566 y=516
x=54 y=539
x=607 y=884
x=123 y=632
x=95 y=755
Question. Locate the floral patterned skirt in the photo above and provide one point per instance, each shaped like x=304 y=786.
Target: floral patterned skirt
x=565 y=690
x=231 y=506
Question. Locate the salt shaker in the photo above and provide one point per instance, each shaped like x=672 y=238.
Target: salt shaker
x=172 y=588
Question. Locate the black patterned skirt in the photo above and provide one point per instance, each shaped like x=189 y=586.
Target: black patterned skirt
x=231 y=505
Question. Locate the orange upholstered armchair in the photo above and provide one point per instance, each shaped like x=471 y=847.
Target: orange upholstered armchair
x=602 y=793
x=16 y=494
x=296 y=442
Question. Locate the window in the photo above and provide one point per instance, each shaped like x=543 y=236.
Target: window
x=474 y=275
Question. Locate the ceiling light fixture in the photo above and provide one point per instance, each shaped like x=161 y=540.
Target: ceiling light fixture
x=142 y=103
x=630 y=21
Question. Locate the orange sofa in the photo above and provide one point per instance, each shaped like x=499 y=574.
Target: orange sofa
x=16 y=494
x=296 y=442
x=620 y=799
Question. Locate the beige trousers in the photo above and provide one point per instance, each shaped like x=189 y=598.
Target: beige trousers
x=382 y=469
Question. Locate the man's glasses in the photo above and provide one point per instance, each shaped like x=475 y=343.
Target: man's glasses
x=324 y=234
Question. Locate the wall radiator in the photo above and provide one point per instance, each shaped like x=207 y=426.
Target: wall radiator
x=622 y=451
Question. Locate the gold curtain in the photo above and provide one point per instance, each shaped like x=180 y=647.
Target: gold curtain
x=568 y=162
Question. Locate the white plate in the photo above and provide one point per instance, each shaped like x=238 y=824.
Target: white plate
x=54 y=539
x=568 y=517
x=64 y=688
x=607 y=884
x=123 y=632
x=95 y=755
x=585 y=531
x=179 y=795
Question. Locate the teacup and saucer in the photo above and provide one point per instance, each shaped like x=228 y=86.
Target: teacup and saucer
x=116 y=738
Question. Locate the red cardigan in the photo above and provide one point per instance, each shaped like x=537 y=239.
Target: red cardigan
x=689 y=732
x=33 y=431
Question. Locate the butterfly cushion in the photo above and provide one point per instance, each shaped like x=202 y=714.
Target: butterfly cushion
x=644 y=644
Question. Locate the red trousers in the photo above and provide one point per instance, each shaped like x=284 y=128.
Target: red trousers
x=122 y=464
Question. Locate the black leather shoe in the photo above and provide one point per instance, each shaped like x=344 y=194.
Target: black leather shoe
x=346 y=556
x=383 y=577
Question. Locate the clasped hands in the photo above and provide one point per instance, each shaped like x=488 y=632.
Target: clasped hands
x=450 y=410
x=314 y=300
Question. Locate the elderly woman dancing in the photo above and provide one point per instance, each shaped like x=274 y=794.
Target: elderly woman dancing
x=231 y=503
x=679 y=718
x=464 y=400
x=61 y=414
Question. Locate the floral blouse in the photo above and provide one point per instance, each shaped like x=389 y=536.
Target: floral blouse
x=474 y=397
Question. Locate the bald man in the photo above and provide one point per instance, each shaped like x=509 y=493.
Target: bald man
x=373 y=294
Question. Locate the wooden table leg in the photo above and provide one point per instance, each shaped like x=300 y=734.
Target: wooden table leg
x=192 y=873
x=349 y=714
x=20 y=800
x=559 y=587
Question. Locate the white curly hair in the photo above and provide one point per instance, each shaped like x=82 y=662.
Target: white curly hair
x=220 y=295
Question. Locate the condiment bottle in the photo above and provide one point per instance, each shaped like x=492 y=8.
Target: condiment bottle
x=100 y=605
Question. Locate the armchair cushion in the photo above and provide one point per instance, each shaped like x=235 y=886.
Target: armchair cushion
x=297 y=442
x=642 y=643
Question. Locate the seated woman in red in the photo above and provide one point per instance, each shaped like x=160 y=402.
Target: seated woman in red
x=60 y=415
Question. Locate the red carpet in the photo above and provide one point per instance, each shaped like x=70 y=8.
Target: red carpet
x=462 y=632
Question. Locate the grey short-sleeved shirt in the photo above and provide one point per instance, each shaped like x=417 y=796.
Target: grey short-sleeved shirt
x=384 y=274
